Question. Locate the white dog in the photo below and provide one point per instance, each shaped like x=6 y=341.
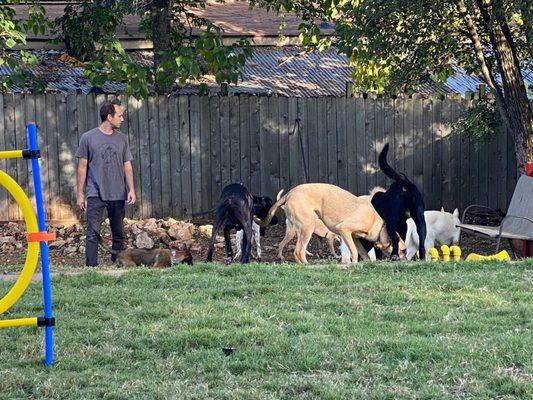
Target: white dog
x=441 y=227
x=255 y=236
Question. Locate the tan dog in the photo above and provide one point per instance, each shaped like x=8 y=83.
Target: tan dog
x=157 y=258
x=320 y=230
x=341 y=212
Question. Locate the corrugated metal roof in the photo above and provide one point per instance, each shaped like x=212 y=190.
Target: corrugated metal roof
x=272 y=70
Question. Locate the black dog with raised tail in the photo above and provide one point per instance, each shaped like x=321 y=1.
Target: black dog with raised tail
x=393 y=205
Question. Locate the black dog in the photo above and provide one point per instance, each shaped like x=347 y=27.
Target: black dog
x=402 y=196
x=234 y=210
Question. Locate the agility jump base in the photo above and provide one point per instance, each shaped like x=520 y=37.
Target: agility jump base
x=38 y=238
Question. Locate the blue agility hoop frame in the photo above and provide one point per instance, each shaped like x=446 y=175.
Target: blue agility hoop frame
x=45 y=261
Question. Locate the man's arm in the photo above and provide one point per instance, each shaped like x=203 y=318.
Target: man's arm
x=80 y=187
x=128 y=172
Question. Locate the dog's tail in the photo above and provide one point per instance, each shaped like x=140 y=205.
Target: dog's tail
x=281 y=201
x=389 y=171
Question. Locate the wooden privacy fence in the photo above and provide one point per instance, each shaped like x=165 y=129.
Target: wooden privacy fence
x=187 y=148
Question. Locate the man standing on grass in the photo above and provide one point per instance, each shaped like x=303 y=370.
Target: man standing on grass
x=105 y=179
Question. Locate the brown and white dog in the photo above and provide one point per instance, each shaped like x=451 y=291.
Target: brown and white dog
x=341 y=212
x=158 y=258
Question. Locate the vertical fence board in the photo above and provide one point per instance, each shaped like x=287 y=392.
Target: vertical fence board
x=146 y=168
x=284 y=125
x=53 y=159
x=419 y=142
x=216 y=156
x=342 y=153
x=175 y=157
x=360 y=170
x=311 y=127
x=63 y=153
x=255 y=144
x=273 y=141
x=185 y=154
x=225 y=142
x=370 y=152
x=21 y=142
x=164 y=142
x=196 y=162
x=331 y=140
x=244 y=139
x=388 y=135
x=132 y=115
x=234 y=139
x=351 y=145
x=296 y=172
x=205 y=151
x=379 y=126
x=322 y=140
x=155 y=156
x=436 y=166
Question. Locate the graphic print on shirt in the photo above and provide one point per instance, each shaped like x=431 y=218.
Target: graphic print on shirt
x=109 y=153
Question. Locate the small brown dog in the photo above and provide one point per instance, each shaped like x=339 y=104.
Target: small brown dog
x=157 y=258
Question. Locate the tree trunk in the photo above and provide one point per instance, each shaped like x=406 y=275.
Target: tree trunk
x=519 y=113
x=161 y=28
x=516 y=107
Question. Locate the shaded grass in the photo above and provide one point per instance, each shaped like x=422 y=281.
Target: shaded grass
x=427 y=331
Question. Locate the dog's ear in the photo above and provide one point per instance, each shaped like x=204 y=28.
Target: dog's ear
x=456 y=213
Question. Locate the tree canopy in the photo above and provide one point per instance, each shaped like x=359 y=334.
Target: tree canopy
x=394 y=45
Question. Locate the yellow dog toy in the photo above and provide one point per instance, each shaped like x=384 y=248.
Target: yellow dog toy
x=501 y=256
x=455 y=251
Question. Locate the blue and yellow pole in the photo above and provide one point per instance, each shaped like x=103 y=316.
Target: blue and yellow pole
x=48 y=321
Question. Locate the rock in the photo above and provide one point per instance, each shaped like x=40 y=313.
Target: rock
x=143 y=241
x=182 y=230
x=206 y=230
x=71 y=249
x=150 y=224
x=6 y=239
x=56 y=244
x=135 y=229
x=169 y=222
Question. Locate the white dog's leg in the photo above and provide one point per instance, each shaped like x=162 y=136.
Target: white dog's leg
x=429 y=243
x=346 y=256
x=411 y=240
x=238 y=242
x=257 y=234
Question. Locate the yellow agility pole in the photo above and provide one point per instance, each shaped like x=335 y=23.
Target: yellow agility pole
x=11 y=154
x=32 y=256
x=9 y=323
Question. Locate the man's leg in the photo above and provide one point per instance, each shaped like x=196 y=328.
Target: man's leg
x=95 y=216
x=116 y=212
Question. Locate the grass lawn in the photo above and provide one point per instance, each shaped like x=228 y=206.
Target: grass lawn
x=371 y=331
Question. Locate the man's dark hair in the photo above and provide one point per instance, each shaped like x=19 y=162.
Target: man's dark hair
x=108 y=108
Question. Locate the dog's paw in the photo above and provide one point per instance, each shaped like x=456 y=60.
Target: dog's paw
x=394 y=257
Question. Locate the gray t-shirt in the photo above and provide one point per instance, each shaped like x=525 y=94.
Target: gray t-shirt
x=106 y=155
